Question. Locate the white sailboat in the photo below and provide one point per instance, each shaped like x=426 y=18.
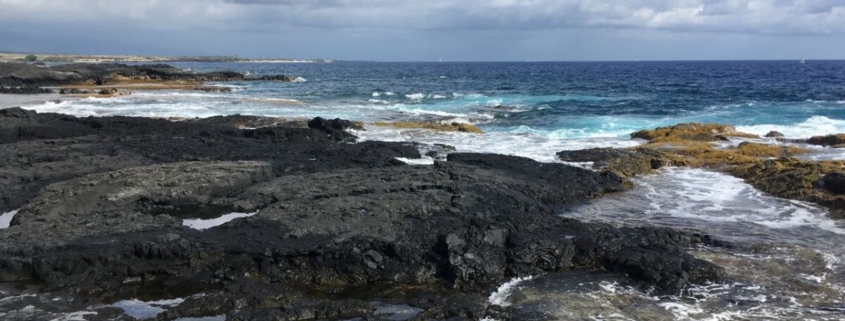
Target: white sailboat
x=802 y=60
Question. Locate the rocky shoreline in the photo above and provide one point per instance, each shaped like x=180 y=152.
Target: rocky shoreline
x=340 y=229
x=772 y=168
x=109 y=79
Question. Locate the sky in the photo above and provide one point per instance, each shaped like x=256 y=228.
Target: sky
x=429 y=30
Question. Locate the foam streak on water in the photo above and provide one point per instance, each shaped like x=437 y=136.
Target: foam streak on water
x=146 y=310
x=201 y=224
x=527 y=145
x=500 y=297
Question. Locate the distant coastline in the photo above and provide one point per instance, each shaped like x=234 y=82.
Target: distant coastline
x=75 y=58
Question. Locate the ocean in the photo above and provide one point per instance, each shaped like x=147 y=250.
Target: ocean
x=530 y=109
x=789 y=266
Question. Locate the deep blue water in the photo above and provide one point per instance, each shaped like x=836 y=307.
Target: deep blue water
x=545 y=97
x=529 y=109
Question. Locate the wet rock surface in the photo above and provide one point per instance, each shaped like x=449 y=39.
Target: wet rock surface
x=837 y=140
x=342 y=230
x=623 y=162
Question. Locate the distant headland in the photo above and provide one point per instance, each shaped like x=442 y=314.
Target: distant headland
x=78 y=58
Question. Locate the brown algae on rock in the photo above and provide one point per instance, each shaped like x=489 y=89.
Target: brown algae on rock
x=446 y=127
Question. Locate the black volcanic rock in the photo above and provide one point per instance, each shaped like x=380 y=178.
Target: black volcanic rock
x=601 y=156
x=340 y=228
x=281 y=78
x=774 y=134
x=41 y=149
x=26 y=75
x=834 y=182
x=623 y=162
x=26 y=90
x=336 y=128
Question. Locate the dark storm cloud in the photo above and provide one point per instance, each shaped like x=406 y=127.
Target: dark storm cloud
x=767 y=16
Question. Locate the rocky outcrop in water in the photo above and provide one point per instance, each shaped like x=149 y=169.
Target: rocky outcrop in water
x=26 y=90
x=837 y=140
x=20 y=74
x=341 y=231
x=817 y=182
x=690 y=132
x=623 y=162
x=774 y=134
x=437 y=126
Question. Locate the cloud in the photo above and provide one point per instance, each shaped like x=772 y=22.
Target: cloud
x=726 y=16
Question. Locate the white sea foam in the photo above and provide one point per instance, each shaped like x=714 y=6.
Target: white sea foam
x=299 y=79
x=831 y=261
x=605 y=130
x=146 y=310
x=74 y=316
x=727 y=207
x=13 y=298
x=376 y=94
x=412 y=110
x=713 y=196
x=416 y=96
x=537 y=147
x=500 y=297
x=200 y=224
x=417 y=161
x=6 y=219
x=165 y=94
x=680 y=310
x=813 y=126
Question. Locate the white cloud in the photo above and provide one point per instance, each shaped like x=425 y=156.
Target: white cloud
x=731 y=16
